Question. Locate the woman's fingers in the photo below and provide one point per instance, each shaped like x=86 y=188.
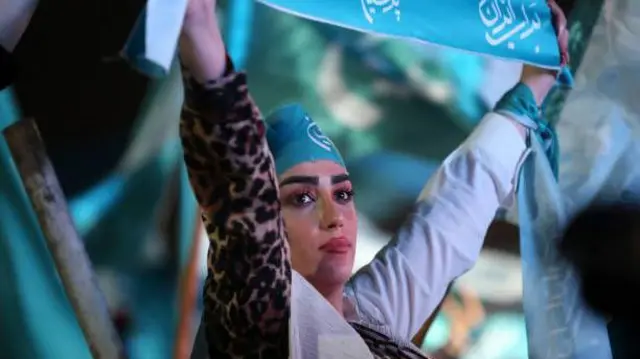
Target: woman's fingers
x=560 y=20
x=560 y=24
x=563 y=42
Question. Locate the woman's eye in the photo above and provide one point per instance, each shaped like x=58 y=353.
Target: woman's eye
x=302 y=199
x=344 y=196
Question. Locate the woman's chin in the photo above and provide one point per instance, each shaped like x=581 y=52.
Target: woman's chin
x=336 y=274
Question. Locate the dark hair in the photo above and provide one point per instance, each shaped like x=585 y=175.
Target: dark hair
x=603 y=244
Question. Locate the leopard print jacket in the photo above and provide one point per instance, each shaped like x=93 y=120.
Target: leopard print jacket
x=248 y=286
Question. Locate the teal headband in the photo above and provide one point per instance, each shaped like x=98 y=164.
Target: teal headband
x=294 y=138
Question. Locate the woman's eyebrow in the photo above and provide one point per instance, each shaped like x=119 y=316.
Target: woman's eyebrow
x=311 y=180
x=339 y=178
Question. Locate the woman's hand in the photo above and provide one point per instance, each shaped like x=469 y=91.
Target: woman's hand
x=200 y=13
x=560 y=24
x=202 y=49
x=539 y=80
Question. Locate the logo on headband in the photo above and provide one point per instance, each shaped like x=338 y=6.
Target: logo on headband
x=372 y=8
x=315 y=135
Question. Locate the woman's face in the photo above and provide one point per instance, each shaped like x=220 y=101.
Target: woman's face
x=321 y=222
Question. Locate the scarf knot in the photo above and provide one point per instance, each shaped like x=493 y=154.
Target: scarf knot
x=520 y=105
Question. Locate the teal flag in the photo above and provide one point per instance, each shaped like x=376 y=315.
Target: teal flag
x=513 y=29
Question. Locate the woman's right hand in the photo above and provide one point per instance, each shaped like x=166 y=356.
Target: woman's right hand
x=202 y=49
x=539 y=80
x=560 y=25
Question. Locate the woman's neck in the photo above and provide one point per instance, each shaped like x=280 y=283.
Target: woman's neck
x=334 y=295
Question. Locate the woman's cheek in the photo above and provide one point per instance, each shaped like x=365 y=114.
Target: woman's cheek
x=350 y=212
x=298 y=223
x=306 y=214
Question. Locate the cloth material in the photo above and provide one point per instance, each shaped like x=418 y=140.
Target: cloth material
x=295 y=138
x=559 y=324
x=429 y=251
x=520 y=104
x=152 y=44
x=519 y=29
x=542 y=217
x=14 y=19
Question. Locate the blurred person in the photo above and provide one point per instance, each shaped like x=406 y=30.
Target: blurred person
x=279 y=210
x=603 y=244
x=613 y=233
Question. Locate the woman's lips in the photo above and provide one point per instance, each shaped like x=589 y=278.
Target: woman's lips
x=336 y=245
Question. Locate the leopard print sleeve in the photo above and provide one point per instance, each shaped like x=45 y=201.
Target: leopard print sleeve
x=248 y=285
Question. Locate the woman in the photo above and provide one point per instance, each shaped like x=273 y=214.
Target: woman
x=264 y=219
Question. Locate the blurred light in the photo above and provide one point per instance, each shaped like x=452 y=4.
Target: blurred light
x=353 y=111
x=437 y=91
x=87 y=209
x=502 y=336
x=370 y=241
x=496 y=277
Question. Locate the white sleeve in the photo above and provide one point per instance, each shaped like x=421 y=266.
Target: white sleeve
x=442 y=239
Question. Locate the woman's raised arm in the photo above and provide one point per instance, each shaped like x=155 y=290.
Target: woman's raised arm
x=443 y=237
x=248 y=285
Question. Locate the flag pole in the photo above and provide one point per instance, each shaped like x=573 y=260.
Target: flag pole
x=67 y=249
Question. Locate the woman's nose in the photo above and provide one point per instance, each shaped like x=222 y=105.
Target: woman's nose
x=330 y=215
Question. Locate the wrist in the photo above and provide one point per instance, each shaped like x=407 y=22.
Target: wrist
x=540 y=81
x=202 y=51
x=195 y=25
x=200 y=16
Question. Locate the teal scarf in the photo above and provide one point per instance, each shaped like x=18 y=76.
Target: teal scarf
x=520 y=104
